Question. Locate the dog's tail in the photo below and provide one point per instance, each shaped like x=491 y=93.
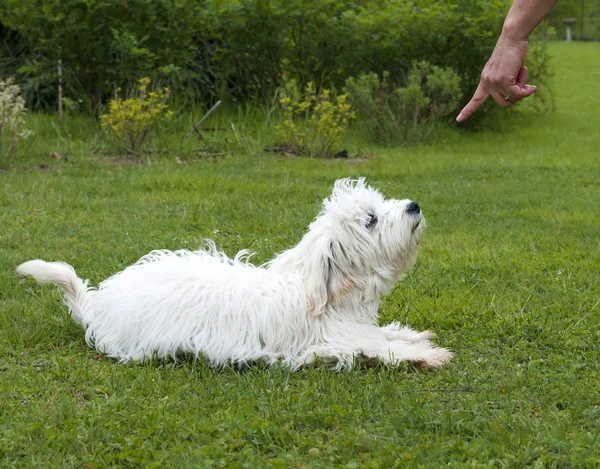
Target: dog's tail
x=62 y=274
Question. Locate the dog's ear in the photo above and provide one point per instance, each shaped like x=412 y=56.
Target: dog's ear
x=317 y=263
x=328 y=275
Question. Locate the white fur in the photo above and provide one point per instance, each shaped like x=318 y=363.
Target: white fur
x=318 y=299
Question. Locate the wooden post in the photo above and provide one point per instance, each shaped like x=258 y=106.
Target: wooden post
x=61 y=112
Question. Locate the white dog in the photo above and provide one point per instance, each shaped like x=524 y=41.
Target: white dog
x=319 y=299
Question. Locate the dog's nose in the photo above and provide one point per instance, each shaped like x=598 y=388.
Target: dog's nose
x=413 y=207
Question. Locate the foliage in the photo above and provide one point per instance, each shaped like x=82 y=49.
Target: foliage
x=104 y=45
x=540 y=71
x=410 y=112
x=12 y=112
x=240 y=50
x=312 y=121
x=13 y=50
x=131 y=120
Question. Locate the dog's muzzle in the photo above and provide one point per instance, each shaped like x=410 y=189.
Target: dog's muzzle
x=414 y=211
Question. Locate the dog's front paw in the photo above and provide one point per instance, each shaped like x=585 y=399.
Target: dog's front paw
x=395 y=332
x=436 y=357
x=423 y=336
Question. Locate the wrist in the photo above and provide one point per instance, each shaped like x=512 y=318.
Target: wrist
x=513 y=31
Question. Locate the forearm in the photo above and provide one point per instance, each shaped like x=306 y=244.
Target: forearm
x=524 y=16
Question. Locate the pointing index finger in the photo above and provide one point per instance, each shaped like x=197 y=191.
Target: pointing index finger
x=481 y=94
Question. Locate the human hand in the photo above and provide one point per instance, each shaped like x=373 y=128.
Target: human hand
x=503 y=78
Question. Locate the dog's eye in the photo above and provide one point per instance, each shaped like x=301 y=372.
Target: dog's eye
x=371 y=221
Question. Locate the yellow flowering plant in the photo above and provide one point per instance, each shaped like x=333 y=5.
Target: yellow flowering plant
x=132 y=120
x=312 y=121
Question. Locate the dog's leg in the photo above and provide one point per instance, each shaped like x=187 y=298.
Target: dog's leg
x=373 y=345
x=335 y=357
x=423 y=353
x=394 y=331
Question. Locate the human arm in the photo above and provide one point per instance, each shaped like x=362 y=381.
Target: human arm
x=504 y=76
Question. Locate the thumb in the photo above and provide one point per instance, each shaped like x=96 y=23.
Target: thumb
x=517 y=93
x=521 y=89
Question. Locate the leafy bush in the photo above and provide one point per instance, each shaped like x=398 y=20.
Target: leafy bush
x=540 y=71
x=239 y=50
x=103 y=45
x=132 y=120
x=12 y=110
x=13 y=50
x=256 y=42
x=410 y=112
x=312 y=122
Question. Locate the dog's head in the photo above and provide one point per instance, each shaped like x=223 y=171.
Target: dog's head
x=359 y=245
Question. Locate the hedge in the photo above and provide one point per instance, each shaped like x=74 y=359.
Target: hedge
x=237 y=50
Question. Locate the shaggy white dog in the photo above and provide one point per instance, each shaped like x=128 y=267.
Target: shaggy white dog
x=319 y=299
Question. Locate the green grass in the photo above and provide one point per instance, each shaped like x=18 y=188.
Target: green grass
x=508 y=277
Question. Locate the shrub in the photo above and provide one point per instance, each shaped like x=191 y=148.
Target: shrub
x=239 y=50
x=133 y=119
x=312 y=121
x=12 y=111
x=540 y=71
x=410 y=112
x=103 y=45
x=13 y=50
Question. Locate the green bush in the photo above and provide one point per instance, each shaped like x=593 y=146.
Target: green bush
x=312 y=122
x=539 y=70
x=326 y=41
x=239 y=50
x=407 y=113
x=13 y=50
x=103 y=45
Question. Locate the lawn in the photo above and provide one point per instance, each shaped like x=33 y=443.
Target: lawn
x=508 y=276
